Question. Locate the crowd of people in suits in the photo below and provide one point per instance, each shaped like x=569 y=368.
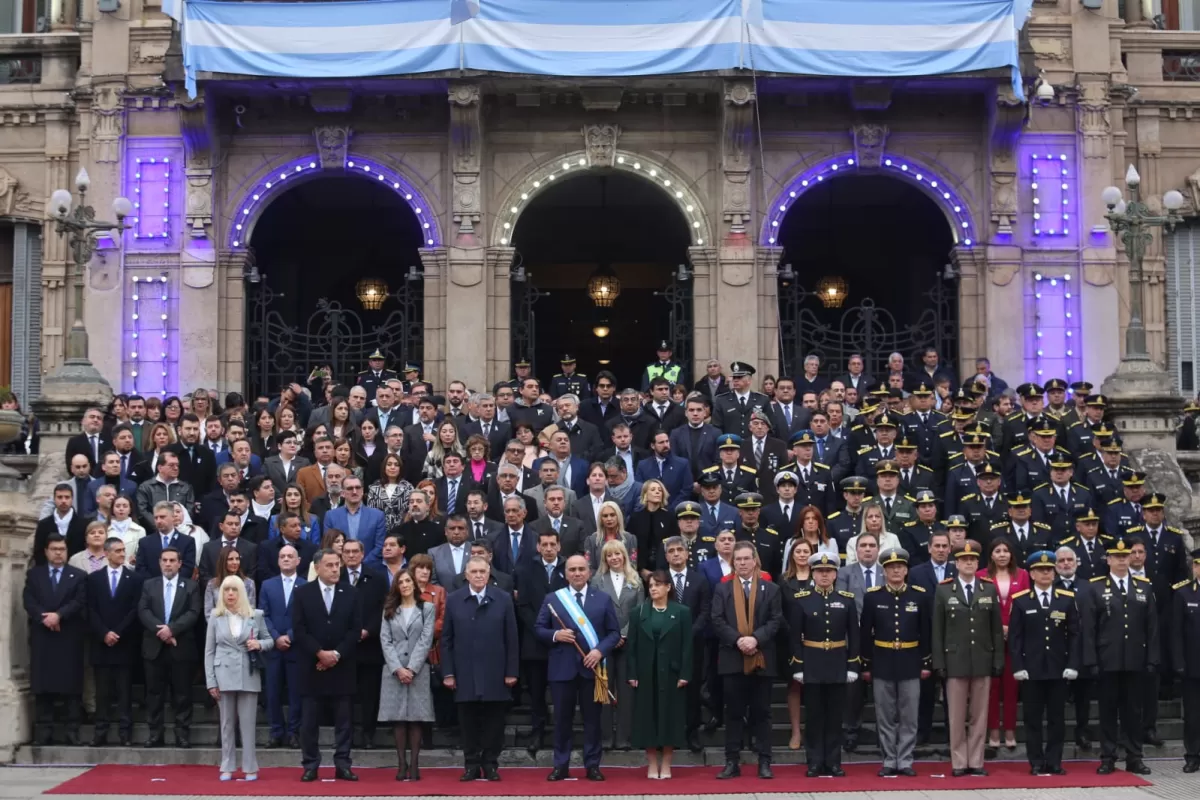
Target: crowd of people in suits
x=382 y=555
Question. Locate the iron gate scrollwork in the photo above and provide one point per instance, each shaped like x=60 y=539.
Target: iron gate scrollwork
x=279 y=352
x=523 y=334
x=678 y=296
x=871 y=330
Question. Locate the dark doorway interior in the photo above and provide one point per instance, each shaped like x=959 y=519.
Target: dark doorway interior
x=573 y=228
x=315 y=243
x=890 y=243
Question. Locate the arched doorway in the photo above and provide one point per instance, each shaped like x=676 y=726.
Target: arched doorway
x=593 y=220
x=864 y=270
x=335 y=274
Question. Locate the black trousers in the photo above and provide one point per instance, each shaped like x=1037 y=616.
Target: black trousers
x=693 y=687
x=856 y=700
x=43 y=704
x=113 y=685
x=747 y=693
x=1120 y=713
x=1148 y=687
x=366 y=694
x=1044 y=699
x=933 y=691
x=165 y=674
x=311 y=709
x=716 y=682
x=824 y=704
x=534 y=672
x=482 y=733
x=1081 y=690
x=1191 y=717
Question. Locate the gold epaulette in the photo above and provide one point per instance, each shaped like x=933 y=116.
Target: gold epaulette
x=915 y=586
x=946 y=580
x=1064 y=593
x=803 y=593
x=998 y=525
x=864 y=449
x=910 y=524
x=1181 y=584
x=713 y=468
x=751 y=470
x=771 y=531
x=847 y=594
x=831 y=516
x=922 y=466
x=1040 y=485
x=1067 y=541
x=1116 y=500
x=1041 y=525
x=874 y=589
x=986 y=580
x=1098 y=578
x=1141 y=578
x=1020 y=593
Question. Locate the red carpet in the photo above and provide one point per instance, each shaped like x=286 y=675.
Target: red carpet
x=278 y=781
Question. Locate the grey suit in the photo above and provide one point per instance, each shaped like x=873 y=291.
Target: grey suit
x=626 y=604
x=227 y=668
x=538 y=495
x=444 y=572
x=407 y=645
x=273 y=469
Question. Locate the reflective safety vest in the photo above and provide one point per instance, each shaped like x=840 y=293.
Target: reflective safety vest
x=671 y=373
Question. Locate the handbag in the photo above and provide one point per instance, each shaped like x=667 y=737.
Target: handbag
x=256 y=659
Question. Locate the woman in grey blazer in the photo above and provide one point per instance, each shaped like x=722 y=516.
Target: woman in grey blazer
x=234 y=631
x=617 y=578
x=405 y=696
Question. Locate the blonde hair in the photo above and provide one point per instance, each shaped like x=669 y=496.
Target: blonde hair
x=620 y=517
x=662 y=487
x=242 y=606
x=617 y=546
x=862 y=527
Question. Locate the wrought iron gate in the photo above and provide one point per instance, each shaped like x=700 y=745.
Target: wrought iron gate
x=806 y=327
x=678 y=296
x=523 y=331
x=278 y=352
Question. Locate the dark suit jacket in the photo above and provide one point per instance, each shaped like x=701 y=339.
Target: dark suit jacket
x=273 y=468
x=589 y=410
x=670 y=421
x=706 y=450
x=532 y=587
x=370 y=592
x=705 y=389
x=79 y=444
x=586 y=443
x=187 y=605
x=495 y=509
x=277 y=613
x=501 y=580
x=641 y=427
x=315 y=629
x=677 y=476
x=56 y=657
x=775 y=455
x=639 y=455
x=200 y=470
x=76 y=541
x=150 y=548
x=211 y=553
x=865 y=382
x=564 y=662
x=268 y=556
x=117 y=613
x=571 y=534
x=397 y=415
x=502 y=549
x=697 y=596
x=579 y=471
x=413 y=452
x=499 y=437
x=801 y=419
x=924 y=575
x=479 y=645
x=768 y=615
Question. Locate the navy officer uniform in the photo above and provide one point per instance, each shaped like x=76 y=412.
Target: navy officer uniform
x=844 y=524
x=575 y=383
x=731 y=414
x=715 y=517
x=412 y=377
x=1091 y=554
x=1185 y=657
x=700 y=547
x=825 y=657
x=1121 y=514
x=816 y=487
x=371 y=379
x=1056 y=505
x=734 y=480
x=767 y=541
x=1043 y=644
x=1029 y=467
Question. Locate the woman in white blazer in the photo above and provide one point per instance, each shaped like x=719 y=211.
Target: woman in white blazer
x=234 y=632
x=617 y=577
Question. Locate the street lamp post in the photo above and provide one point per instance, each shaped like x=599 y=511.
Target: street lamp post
x=82 y=229
x=1133 y=221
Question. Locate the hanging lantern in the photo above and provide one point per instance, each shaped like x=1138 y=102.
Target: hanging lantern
x=372 y=292
x=604 y=287
x=601 y=329
x=832 y=291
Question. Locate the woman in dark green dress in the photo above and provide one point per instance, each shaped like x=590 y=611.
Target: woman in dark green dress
x=659 y=663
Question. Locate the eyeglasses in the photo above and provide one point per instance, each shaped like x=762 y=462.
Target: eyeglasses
x=351 y=488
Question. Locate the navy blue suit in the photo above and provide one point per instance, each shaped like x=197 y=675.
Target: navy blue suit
x=88 y=501
x=281 y=665
x=570 y=681
x=706 y=450
x=925 y=576
x=727 y=517
x=676 y=476
x=372 y=529
x=579 y=471
x=150 y=547
x=502 y=549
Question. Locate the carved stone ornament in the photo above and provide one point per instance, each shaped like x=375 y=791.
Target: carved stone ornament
x=1093 y=119
x=600 y=144
x=1004 y=201
x=12 y=199
x=197 y=147
x=1193 y=190
x=108 y=123
x=737 y=154
x=333 y=143
x=466 y=142
x=869 y=142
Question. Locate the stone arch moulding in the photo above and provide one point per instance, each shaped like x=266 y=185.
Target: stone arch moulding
x=910 y=170
x=273 y=182
x=543 y=175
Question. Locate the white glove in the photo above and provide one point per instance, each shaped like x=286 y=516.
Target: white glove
x=851 y=677
x=1070 y=674
x=798 y=677
x=1021 y=675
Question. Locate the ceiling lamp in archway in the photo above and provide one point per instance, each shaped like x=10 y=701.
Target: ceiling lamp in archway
x=372 y=292
x=604 y=287
x=832 y=290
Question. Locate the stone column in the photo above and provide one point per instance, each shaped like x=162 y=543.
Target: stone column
x=972 y=306
x=56 y=274
x=17 y=523
x=231 y=321
x=434 y=265
x=497 y=275
x=767 y=270
x=464 y=287
x=705 y=282
x=1003 y=334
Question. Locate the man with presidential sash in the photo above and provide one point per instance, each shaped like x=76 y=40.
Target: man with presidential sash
x=579 y=626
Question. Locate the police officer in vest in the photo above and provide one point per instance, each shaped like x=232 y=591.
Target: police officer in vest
x=664 y=367
x=825 y=658
x=1043 y=643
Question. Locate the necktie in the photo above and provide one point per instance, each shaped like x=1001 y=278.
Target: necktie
x=54 y=577
x=1021 y=535
x=821 y=449
x=940 y=569
x=328 y=599
x=124 y=465
x=989 y=504
x=168 y=590
x=1045 y=599
x=451 y=495
x=712 y=512
x=729 y=475
x=516 y=546
x=579 y=598
x=924 y=419
x=95 y=448
x=287 y=591
x=887 y=501
x=746 y=588
x=758 y=450
x=478 y=530
x=742 y=403
x=487 y=429
x=970 y=593
x=662 y=411
x=353 y=577
x=558 y=525
x=113 y=575
x=661 y=462
x=1121 y=585
x=1089 y=547
x=787 y=414
x=166 y=541
x=869 y=577
x=804 y=474
x=1063 y=494
x=908 y=476
x=679 y=587
x=787 y=512
x=549 y=572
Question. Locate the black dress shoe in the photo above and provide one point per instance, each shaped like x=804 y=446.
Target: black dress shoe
x=1137 y=767
x=1153 y=738
x=491 y=774
x=958 y=773
x=907 y=772
x=471 y=774
x=1056 y=771
x=837 y=772
x=594 y=774
x=274 y=742
x=851 y=744
x=764 y=770
x=155 y=741
x=1191 y=765
x=886 y=772
x=979 y=771
x=125 y=740
x=344 y=774
x=415 y=773
x=183 y=744
x=1037 y=770
x=98 y=741
x=402 y=774
x=293 y=742
x=812 y=772
x=1105 y=768
x=732 y=770
x=309 y=775
x=558 y=774
x=693 y=742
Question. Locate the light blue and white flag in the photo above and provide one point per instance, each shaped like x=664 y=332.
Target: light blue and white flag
x=463 y=10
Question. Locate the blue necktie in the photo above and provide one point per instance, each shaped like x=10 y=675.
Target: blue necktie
x=516 y=546
x=787 y=414
x=114 y=583
x=167 y=589
x=451 y=495
x=821 y=449
x=54 y=577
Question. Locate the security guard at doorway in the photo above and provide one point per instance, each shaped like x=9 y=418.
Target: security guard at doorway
x=376 y=376
x=569 y=381
x=664 y=367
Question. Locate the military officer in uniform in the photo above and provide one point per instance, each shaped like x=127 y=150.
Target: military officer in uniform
x=731 y=411
x=1056 y=399
x=569 y=381
x=1125 y=512
x=897 y=509
x=412 y=377
x=1014 y=433
x=884 y=448
x=897 y=619
x=700 y=546
x=1080 y=434
x=735 y=476
x=823 y=624
x=1120 y=633
x=816 y=479
x=914 y=476
x=522 y=369
x=375 y=376
x=664 y=367
x=862 y=430
x=1090 y=546
x=767 y=541
x=968 y=649
x=1079 y=393
x=1056 y=502
x=961 y=471
x=716 y=515
x=1030 y=466
x=1025 y=536
x=846 y=522
x=914 y=534
x=986 y=506
x=1185 y=657
x=924 y=425
x=1043 y=642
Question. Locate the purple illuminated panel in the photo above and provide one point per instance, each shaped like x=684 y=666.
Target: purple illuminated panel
x=153 y=182
x=1053 y=336
x=1049 y=191
x=937 y=187
x=150 y=362
x=278 y=180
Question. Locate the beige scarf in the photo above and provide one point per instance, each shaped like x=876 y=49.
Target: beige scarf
x=745 y=621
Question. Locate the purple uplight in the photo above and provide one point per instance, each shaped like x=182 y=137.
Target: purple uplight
x=153 y=182
x=1053 y=334
x=277 y=180
x=907 y=169
x=150 y=361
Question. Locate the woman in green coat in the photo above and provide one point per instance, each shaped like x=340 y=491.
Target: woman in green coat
x=659 y=663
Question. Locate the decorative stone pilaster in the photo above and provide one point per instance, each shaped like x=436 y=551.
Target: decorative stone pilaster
x=17 y=523
x=1004 y=304
x=434 y=264
x=55 y=273
x=737 y=146
x=108 y=123
x=767 y=272
x=497 y=276
x=198 y=161
x=1006 y=120
x=705 y=283
x=231 y=320
x=1092 y=118
x=972 y=306
x=466 y=145
x=60 y=416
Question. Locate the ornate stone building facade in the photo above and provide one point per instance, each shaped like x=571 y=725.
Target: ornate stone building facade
x=468 y=153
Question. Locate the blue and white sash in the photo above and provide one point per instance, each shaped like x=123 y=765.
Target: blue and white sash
x=565 y=596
